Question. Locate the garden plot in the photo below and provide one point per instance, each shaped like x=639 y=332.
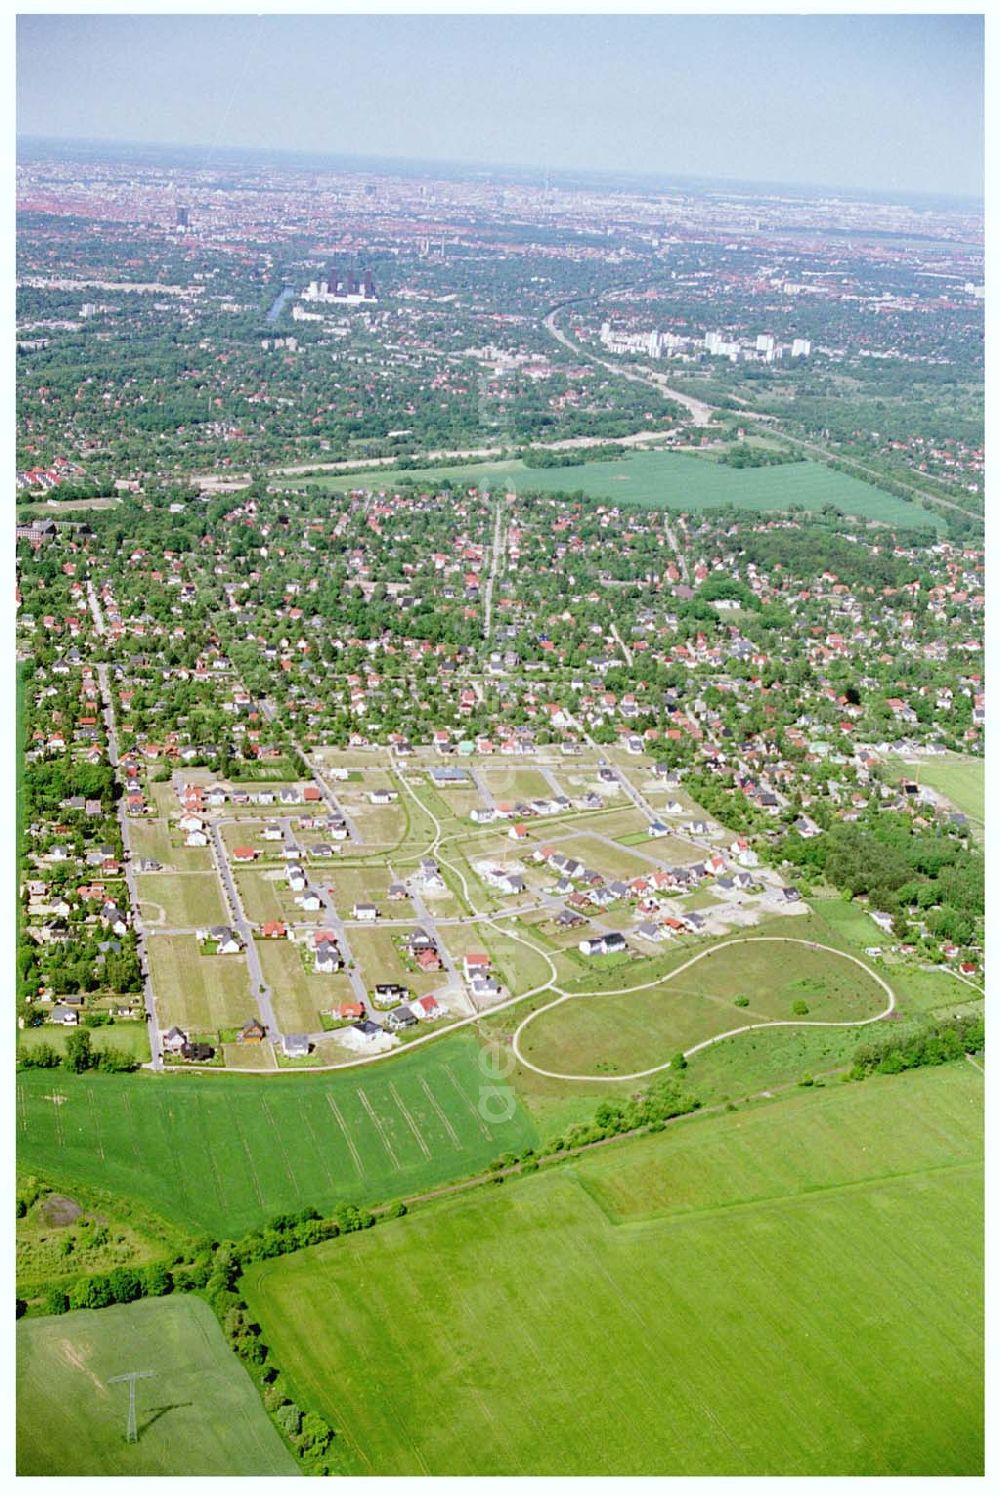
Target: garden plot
x=299 y=993
x=265 y=895
x=159 y=841
x=201 y=994
x=181 y=900
x=379 y=957
x=514 y=785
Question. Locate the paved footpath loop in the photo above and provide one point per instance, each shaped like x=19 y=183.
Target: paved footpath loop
x=716 y=1038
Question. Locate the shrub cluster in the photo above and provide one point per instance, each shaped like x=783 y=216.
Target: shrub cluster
x=653 y=1110
x=78 y=1056
x=933 y=1044
x=309 y=1435
x=121 y=1286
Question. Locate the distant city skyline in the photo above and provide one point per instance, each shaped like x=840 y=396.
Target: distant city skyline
x=860 y=102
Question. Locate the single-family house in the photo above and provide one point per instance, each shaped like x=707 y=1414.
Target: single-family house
x=427 y=1007
x=174 y=1040
x=603 y=945
x=197 y=1052
x=62 y=1013
x=226 y=942
x=328 y=957
x=400 y=1018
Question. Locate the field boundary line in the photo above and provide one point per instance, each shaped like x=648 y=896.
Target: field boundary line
x=408 y=1119
x=94 y=1124
x=130 y=1124
x=249 y=1158
x=351 y=1146
x=441 y=1114
x=467 y=1103
x=277 y=1137
x=379 y=1126
x=803 y=1197
x=313 y=1138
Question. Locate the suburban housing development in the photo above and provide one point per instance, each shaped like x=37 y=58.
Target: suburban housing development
x=500 y=718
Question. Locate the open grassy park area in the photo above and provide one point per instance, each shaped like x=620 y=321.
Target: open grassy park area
x=622 y=1034
x=199 y=1414
x=790 y=1290
x=367 y=1135
x=660 y=480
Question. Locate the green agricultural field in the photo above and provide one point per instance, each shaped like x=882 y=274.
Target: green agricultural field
x=664 y=480
x=960 y=780
x=278 y=1143
x=200 y=993
x=793 y=1291
x=200 y=1414
x=638 y=1030
x=181 y=901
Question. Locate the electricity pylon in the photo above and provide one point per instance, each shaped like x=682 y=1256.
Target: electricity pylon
x=132 y=1436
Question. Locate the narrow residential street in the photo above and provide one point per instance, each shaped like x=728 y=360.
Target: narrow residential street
x=329 y=798
x=678 y=552
x=351 y=969
x=629 y=660
x=426 y=919
x=95 y=607
x=149 y=997
x=496 y=557
x=259 y=988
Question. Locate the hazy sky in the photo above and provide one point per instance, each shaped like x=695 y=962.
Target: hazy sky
x=852 y=101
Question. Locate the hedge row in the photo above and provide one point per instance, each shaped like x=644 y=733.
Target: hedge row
x=932 y=1044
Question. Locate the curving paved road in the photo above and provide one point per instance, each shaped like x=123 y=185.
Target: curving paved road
x=716 y=1038
x=699 y=411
